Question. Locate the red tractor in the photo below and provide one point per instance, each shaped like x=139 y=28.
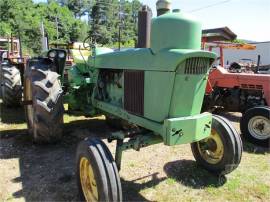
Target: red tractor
x=12 y=65
x=236 y=90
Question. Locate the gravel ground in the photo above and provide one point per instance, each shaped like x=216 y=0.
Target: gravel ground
x=30 y=172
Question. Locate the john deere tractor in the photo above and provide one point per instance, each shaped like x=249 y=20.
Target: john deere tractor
x=153 y=95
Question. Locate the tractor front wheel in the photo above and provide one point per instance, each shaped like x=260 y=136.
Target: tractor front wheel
x=255 y=125
x=11 y=85
x=221 y=152
x=43 y=95
x=97 y=174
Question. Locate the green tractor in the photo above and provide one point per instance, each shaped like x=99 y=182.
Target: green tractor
x=152 y=95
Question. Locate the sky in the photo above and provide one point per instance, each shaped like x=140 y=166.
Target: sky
x=248 y=19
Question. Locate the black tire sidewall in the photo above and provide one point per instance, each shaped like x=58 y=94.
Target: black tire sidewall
x=247 y=116
x=88 y=150
x=47 y=126
x=13 y=98
x=237 y=139
x=229 y=150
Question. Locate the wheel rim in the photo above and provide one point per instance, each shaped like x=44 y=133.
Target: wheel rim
x=88 y=181
x=259 y=127
x=211 y=149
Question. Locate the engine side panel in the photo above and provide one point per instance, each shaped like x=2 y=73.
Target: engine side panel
x=157 y=94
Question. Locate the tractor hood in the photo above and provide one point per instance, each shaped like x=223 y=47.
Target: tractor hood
x=144 y=59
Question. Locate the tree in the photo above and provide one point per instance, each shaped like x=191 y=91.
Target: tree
x=18 y=17
x=5 y=29
x=62 y=21
x=108 y=16
x=78 y=7
x=130 y=15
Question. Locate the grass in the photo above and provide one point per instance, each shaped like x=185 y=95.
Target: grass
x=157 y=173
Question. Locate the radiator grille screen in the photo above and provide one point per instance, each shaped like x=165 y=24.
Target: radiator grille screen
x=197 y=65
x=134 y=91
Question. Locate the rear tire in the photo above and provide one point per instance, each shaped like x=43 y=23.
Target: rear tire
x=11 y=85
x=97 y=174
x=221 y=152
x=43 y=89
x=255 y=125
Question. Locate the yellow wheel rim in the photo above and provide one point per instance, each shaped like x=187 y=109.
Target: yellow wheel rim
x=88 y=181
x=211 y=149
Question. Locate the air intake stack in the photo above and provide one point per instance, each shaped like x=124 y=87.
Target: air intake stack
x=163 y=7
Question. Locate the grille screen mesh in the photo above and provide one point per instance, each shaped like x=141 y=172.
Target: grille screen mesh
x=197 y=65
x=134 y=91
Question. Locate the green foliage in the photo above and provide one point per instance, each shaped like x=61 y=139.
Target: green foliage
x=59 y=22
x=79 y=8
x=23 y=17
x=5 y=29
x=63 y=22
x=106 y=19
x=240 y=41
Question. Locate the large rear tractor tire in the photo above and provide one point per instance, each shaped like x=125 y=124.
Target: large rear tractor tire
x=11 y=85
x=97 y=174
x=43 y=95
x=221 y=152
x=255 y=125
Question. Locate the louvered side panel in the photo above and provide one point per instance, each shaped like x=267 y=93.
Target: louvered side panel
x=134 y=91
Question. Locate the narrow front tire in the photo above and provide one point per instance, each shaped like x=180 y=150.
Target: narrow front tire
x=97 y=174
x=221 y=152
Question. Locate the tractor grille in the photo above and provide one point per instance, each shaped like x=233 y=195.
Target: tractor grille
x=134 y=91
x=197 y=65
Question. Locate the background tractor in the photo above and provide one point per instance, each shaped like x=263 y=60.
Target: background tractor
x=237 y=90
x=12 y=65
x=156 y=93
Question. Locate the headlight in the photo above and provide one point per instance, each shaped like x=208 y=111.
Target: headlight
x=52 y=54
x=61 y=54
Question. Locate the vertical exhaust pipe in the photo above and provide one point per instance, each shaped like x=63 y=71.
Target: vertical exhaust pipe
x=144 y=27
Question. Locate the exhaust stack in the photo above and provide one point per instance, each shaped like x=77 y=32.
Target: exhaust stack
x=144 y=27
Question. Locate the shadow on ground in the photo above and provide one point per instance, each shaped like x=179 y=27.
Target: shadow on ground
x=254 y=149
x=47 y=172
x=132 y=188
x=196 y=177
x=11 y=115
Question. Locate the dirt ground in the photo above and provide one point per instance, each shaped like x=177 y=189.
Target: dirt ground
x=29 y=172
